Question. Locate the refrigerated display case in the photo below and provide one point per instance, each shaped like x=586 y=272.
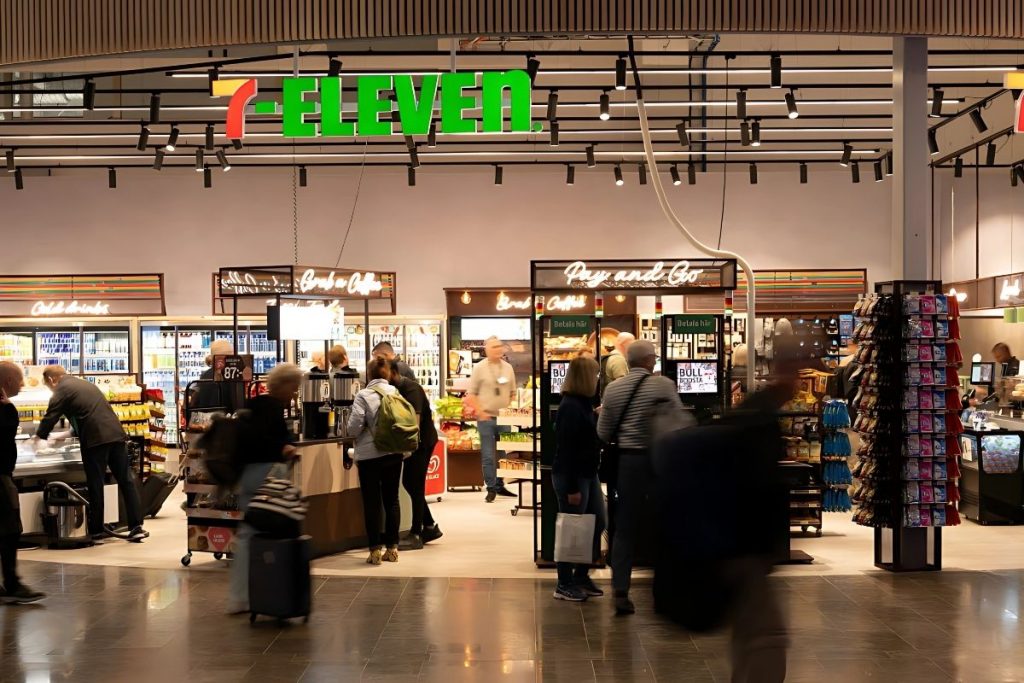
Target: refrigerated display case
x=17 y=346
x=80 y=349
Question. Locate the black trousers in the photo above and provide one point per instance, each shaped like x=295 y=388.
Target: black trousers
x=378 y=482
x=95 y=460
x=9 y=561
x=414 y=480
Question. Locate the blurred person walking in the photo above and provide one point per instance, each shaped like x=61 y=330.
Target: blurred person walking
x=491 y=387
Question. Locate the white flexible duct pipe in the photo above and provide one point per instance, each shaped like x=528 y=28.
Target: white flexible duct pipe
x=670 y=214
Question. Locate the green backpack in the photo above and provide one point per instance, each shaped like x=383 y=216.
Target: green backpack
x=398 y=428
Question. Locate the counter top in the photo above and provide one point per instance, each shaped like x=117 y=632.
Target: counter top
x=302 y=443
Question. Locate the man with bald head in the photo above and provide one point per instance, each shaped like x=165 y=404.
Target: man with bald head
x=102 y=441
x=614 y=365
x=491 y=388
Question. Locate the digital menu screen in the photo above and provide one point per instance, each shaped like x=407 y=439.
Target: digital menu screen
x=697 y=377
x=558 y=370
x=982 y=373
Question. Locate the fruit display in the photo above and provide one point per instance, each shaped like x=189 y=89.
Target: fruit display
x=449 y=408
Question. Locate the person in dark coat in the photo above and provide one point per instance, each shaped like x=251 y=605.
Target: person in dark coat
x=13 y=591
x=574 y=470
x=414 y=470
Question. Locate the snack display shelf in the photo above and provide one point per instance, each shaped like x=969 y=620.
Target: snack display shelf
x=515 y=420
x=509 y=446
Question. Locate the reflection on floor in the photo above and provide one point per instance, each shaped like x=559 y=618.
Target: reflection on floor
x=117 y=624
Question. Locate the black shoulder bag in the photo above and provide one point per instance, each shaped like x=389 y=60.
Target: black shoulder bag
x=608 y=470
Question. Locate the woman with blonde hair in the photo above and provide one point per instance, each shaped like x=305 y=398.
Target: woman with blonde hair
x=574 y=470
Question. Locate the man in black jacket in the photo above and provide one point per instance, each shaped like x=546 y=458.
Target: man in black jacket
x=386 y=351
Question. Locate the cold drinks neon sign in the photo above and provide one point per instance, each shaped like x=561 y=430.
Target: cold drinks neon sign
x=578 y=274
x=48 y=308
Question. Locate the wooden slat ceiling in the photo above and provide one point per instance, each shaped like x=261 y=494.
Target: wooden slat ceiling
x=38 y=30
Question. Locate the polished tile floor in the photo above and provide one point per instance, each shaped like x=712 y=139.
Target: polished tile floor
x=123 y=624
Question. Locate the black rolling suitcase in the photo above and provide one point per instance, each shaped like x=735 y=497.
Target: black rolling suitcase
x=155 y=489
x=279 y=584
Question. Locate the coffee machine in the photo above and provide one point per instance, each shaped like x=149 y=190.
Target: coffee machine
x=344 y=384
x=315 y=394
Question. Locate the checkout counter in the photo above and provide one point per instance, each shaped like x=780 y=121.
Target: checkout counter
x=991 y=467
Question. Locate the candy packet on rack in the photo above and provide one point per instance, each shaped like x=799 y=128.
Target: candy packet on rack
x=911 y=492
x=926 y=492
x=924 y=352
x=939 y=353
x=911 y=304
x=942 y=329
x=911 y=470
x=941 y=304
x=913 y=376
x=939 y=492
x=910 y=398
x=911 y=352
x=927 y=305
x=924 y=469
x=912 y=516
x=912 y=446
x=926 y=449
x=928 y=328
x=939 y=515
x=924 y=400
x=913 y=422
x=925 y=516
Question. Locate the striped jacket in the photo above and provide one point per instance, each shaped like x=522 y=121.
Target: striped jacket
x=655 y=407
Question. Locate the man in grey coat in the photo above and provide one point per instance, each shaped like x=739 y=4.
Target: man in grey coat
x=102 y=441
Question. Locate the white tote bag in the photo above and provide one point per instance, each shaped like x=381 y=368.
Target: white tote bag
x=574 y=538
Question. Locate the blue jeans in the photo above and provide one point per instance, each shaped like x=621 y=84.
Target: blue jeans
x=253 y=477
x=591 y=503
x=489 y=453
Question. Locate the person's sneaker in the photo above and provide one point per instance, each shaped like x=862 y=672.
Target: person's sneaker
x=411 y=542
x=491 y=495
x=623 y=605
x=569 y=593
x=137 y=535
x=23 y=596
x=375 y=556
x=588 y=586
x=391 y=554
x=432 y=533
x=506 y=493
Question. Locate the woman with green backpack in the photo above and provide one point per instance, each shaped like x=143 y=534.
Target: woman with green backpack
x=386 y=431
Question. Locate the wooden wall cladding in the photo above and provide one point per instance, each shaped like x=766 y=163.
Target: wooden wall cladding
x=36 y=30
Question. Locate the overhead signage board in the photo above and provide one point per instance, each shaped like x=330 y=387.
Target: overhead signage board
x=310 y=281
x=570 y=325
x=88 y=296
x=694 y=324
x=669 y=276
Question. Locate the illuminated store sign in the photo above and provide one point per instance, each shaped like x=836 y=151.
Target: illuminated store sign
x=578 y=274
x=505 y=303
x=1014 y=81
x=56 y=308
x=316 y=282
x=313 y=107
x=571 y=302
x=1010 y=290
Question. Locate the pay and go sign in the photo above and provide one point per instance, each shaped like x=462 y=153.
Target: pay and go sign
x=313 y=106
x=1014 y=81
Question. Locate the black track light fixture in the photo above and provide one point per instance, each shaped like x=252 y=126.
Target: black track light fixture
x=618 y=175
x=958 y=167
x=933 y=142
x=684 y=135
x=112 y=178
x=158 y=159
x=207 y=178
x=741 y=104
x=1020 y=172
x=591 y=162
x=199 y=160
x=990 y=154
x=776 y=70
x=410 y=175
x=570 y=174
x=333 y=67
x=303 y=177
x=755 y=133
x=143 y=138
x=432 y=135
x=803 y=172
x=414 y=156
x=209 y=137
x=889 y=164
x=978 y=120
x=89 y=94
x=11 y=166
x=745 y=133
x=499 y=174
x=847 y=154
x=19 y=180
x=237 y=144
x=794 y=113
x=937 y=97
x=554 y=134
x=642 y=171
x=605 y=104
x=620 y=73
x=172 y=139
x=691 y=173
x=674 y=172
x=753 y=173
x=154 y=108
x=879 y=176
x=532 y=67
x=855 y=171
x=212 y=76
x=222 y=159
x=552 y=105
x=1013 y=176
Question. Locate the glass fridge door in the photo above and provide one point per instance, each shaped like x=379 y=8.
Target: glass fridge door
x=263 y=349
x=423 y=354
x=16 y=347
x=60 y=347
x=193 y=347
x=159 y=370
x=106 y=351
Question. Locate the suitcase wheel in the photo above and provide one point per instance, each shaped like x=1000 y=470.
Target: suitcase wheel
x=186 y=560
x=252 y=618
x=218 y=556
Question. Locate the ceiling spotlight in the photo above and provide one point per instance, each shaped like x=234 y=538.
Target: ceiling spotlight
x=411 y=176
x=199 y=160
x=570 y=175
x=158 y=159
x=112 y=178
x=604 y=115
x=674 y=172
x=776 y=69
x=745 y=133
x=888 y=163
x=879 y=176
x=432 y=135
x=11 y=167
x=691 y=173
x=855 y=171
x=591 y=163
x=172 y=139
x=847 y=153
x=552 y=105
x=414 y=157
x=498 y=175
x=642 y=170
x=937 y=97
x=794 y=113
x=803 y=172
x=958 y=168
x=236 y=143
x=19 y=180
x=978 y=121
x=753 y=173
x=741 y=104
x=618 y=175
x=303 y=177
x=333 y=67
x=684 y=136
x=89 y=95
x=154 y=108
x=222 y=159
x=532 y=67
x=990 y=154
x=209 y=137
x=207 y=178
x=211 y=77
x=755 y=134
x=933 y=142
x=554 y=134
x=143 y=139
x=620 y=73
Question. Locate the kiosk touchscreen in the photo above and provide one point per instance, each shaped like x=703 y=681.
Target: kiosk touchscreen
x=983 y=373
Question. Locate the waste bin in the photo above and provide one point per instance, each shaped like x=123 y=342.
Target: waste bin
x=65 y=516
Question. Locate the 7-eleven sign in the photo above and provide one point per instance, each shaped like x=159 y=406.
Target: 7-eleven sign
x=1014 y=82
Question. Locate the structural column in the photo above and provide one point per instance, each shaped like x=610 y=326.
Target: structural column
x=911 y=189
